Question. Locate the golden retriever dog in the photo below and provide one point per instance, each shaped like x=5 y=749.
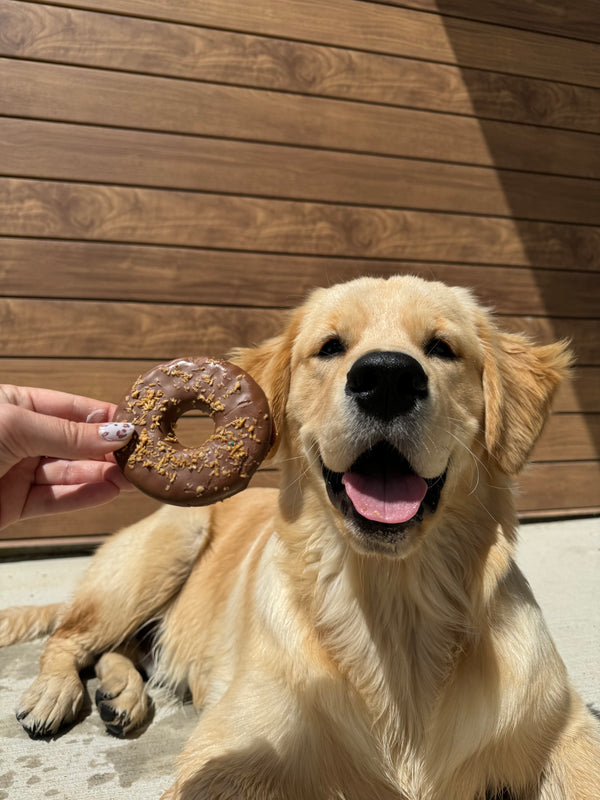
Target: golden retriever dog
x=363 y=633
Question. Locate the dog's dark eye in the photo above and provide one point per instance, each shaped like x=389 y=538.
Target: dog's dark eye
x=438 y=348
x=332 y=347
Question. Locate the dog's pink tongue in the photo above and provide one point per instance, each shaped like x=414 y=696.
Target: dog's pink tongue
x=385 y=498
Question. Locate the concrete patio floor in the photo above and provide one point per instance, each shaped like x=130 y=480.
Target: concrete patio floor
x=560 y=559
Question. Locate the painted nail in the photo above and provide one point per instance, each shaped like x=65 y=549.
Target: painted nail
x=99 y=415
x=116 y=431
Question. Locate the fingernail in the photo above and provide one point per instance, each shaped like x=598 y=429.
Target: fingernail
x=99 y=415
x=116 y=431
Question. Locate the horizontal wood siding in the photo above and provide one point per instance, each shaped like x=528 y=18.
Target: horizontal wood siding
x=175 y=176
x=136 y=45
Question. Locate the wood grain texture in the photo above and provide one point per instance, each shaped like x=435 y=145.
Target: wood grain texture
x=34 y=149
x=118 y=214
x=102 y=379
x=579 y=20
x=382 y=29
x=80 y=329
x=569 y=437
x=54 y=269
x=560 y=487
x=74 y=36
x=92 y=96
x=582 y=392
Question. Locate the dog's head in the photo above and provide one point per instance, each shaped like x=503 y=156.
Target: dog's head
x=388 y=394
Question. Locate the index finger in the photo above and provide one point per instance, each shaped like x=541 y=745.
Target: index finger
x=56 y=404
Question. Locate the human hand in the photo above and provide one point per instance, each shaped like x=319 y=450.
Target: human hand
x=55 y=452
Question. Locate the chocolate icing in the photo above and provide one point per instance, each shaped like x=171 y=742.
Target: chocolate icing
x=159 y=465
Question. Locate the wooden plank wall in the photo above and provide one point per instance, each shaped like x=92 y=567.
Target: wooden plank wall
x=175 y=175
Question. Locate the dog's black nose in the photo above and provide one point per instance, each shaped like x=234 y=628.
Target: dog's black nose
x=386 y=384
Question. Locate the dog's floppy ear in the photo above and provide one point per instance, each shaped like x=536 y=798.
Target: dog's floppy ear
x=270 y=366
x=519 y=382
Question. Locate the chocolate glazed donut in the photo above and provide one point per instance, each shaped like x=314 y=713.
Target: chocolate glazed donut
x=159 y=465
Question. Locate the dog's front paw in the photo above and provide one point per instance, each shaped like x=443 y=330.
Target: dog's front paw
x=50 y=703
x=123 y=712
x=121 y=698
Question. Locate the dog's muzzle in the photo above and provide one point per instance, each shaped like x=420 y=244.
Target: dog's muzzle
x=381 y=492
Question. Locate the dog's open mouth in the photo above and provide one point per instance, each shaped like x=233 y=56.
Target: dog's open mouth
x=382 y=492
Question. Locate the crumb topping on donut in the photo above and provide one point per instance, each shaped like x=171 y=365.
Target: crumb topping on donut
x=224 y=452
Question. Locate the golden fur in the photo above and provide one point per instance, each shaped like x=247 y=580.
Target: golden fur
x=333 y=663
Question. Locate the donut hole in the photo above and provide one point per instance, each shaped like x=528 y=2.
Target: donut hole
x=193 y=428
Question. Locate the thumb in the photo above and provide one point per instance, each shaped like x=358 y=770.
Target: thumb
x=25 y=433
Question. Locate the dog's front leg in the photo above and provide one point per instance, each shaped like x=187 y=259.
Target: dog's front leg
x=573 y=772
x=129 y=581
x=262 y=742
x=258 y=772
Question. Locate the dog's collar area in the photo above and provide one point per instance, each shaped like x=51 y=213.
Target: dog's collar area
x=381 y=493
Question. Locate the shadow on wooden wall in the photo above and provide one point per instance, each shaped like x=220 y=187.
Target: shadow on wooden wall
x=547 y=78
